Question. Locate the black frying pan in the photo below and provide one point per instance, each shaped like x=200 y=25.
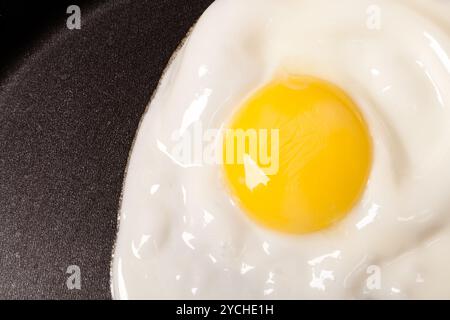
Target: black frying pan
x=70 y=103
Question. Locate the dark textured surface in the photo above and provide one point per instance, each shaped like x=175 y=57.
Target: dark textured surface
x=69 y=110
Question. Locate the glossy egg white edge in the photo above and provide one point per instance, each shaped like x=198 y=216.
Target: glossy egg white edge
x=181 y=235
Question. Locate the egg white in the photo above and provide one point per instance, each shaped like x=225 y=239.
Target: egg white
x=182 y=236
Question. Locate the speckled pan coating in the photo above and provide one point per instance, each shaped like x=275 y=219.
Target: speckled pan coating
x=68 y=114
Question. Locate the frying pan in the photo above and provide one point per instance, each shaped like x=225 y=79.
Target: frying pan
x=70 y=104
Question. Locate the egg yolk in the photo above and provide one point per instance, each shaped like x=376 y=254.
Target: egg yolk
x=297 y=155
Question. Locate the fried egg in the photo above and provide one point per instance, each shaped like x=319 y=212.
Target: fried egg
x=294 y=149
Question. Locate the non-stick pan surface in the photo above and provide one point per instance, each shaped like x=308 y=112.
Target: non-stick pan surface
x=70 y=104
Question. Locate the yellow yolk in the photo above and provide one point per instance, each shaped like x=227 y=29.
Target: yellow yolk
x=297 y=155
